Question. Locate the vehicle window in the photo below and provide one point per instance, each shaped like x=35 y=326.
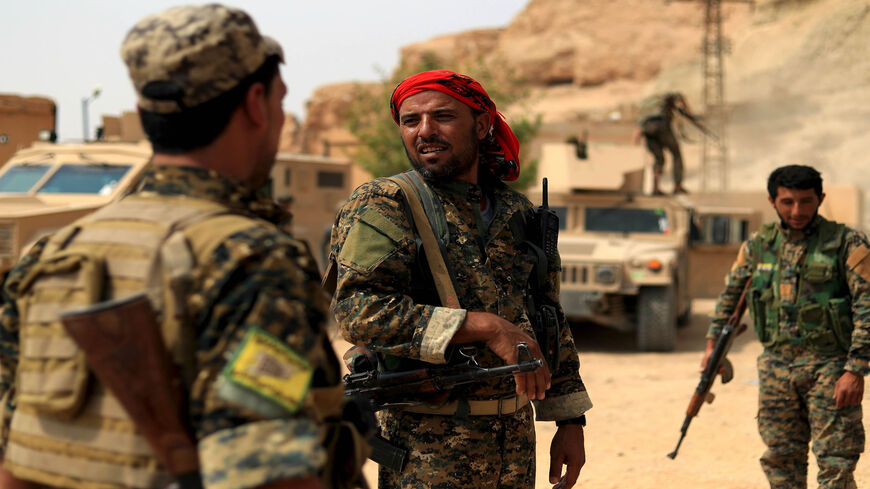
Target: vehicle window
x=21 y=178
x=562 y=213
x=626 y=220
x=718 y=229
x=96 y=178
x=330 y=179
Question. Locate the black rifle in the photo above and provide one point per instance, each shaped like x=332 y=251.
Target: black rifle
x=543 y=238
x=696 y=121
x=383 y=390
x=716 y=363
x=414 y=387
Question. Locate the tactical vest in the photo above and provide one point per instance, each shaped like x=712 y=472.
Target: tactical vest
x=67 y=429
x=823 y=309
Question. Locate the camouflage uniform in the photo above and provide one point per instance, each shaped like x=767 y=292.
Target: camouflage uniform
x=259 y=279
x=379 y=304
x=249 y=307
x=796 y=396
x=655 y=121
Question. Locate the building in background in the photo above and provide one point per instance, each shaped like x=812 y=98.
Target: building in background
x=313 y=188
x=126 y=128
x=22 y=119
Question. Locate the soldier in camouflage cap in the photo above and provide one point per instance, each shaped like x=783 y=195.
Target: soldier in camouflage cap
x=809 y=297
x=186 y=56
x=483 y=437
x=242 y=311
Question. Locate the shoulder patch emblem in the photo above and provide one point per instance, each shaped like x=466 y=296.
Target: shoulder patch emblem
x=765 y=267
x=859 y=262
x=266 y=366
x=370 y=240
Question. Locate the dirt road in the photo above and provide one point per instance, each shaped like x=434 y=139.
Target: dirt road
x=640 y=401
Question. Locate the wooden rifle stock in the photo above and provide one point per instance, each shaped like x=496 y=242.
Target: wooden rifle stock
x=123 y=346
x=715 y=363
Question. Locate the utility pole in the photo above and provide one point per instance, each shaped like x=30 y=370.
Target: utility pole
x=714 y=160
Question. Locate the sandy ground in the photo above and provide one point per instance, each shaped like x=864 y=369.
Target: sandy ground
x=640 y=401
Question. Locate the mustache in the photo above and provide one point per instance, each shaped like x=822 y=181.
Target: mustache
x=431 y=140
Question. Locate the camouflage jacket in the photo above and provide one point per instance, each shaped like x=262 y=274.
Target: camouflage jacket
x=376 y=254
x=259 y=281
x=791 y=256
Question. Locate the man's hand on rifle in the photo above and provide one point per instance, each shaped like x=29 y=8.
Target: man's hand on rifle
x=502 y=337
x=709 y=346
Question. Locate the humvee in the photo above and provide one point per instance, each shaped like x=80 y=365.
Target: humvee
x=633 y=261
x=47 y=186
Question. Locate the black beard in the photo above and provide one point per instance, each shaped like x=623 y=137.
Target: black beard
x=448 y=170
x=784 y=224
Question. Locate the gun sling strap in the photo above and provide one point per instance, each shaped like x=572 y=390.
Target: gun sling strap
x=415 y=191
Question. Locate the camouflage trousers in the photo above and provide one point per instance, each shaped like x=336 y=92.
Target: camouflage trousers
x=795 y=405
x=479 y=452
x=660 y=137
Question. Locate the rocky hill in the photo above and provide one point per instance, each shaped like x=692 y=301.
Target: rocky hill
x=797 y=76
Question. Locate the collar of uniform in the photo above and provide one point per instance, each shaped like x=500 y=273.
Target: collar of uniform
x=807 y=231
x=207 y=184
x=468 y=191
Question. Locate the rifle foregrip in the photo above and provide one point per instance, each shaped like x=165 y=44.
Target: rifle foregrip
x=695 y=404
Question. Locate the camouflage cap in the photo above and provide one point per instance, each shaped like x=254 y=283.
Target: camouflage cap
x=185 y=56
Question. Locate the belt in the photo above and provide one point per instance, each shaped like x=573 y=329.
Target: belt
x=493 y=407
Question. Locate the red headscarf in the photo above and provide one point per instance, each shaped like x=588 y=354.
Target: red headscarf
x=501 y=146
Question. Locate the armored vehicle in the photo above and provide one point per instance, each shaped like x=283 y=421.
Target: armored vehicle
x=633 y=261
x=47 y=186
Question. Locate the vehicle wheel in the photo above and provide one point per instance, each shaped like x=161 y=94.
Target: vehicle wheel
x=656 y=319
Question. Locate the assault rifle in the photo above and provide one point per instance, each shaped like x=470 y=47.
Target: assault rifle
x=414 y=387
x=716 y=363
x=381 y=390
x=696 y=121
x=122 y=345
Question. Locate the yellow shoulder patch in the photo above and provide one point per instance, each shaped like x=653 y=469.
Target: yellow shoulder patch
x=858 y=262
x=266 y=366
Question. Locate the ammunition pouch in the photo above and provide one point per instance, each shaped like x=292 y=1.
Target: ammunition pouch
x=827 y=330
x=764 y=316
x=53 y=375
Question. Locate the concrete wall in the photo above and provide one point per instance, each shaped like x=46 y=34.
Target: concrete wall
x=21 y=120
x=124 y=128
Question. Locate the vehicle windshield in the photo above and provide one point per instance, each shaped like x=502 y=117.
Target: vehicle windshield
x=626 y=220
x=21 y=178
x=95 y=178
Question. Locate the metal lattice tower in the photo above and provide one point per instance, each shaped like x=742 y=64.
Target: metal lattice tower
x=714 y=160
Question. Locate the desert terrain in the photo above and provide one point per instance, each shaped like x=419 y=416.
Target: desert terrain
x=640 y=401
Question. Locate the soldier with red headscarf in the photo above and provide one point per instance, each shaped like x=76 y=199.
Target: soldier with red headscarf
x=482 y=435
